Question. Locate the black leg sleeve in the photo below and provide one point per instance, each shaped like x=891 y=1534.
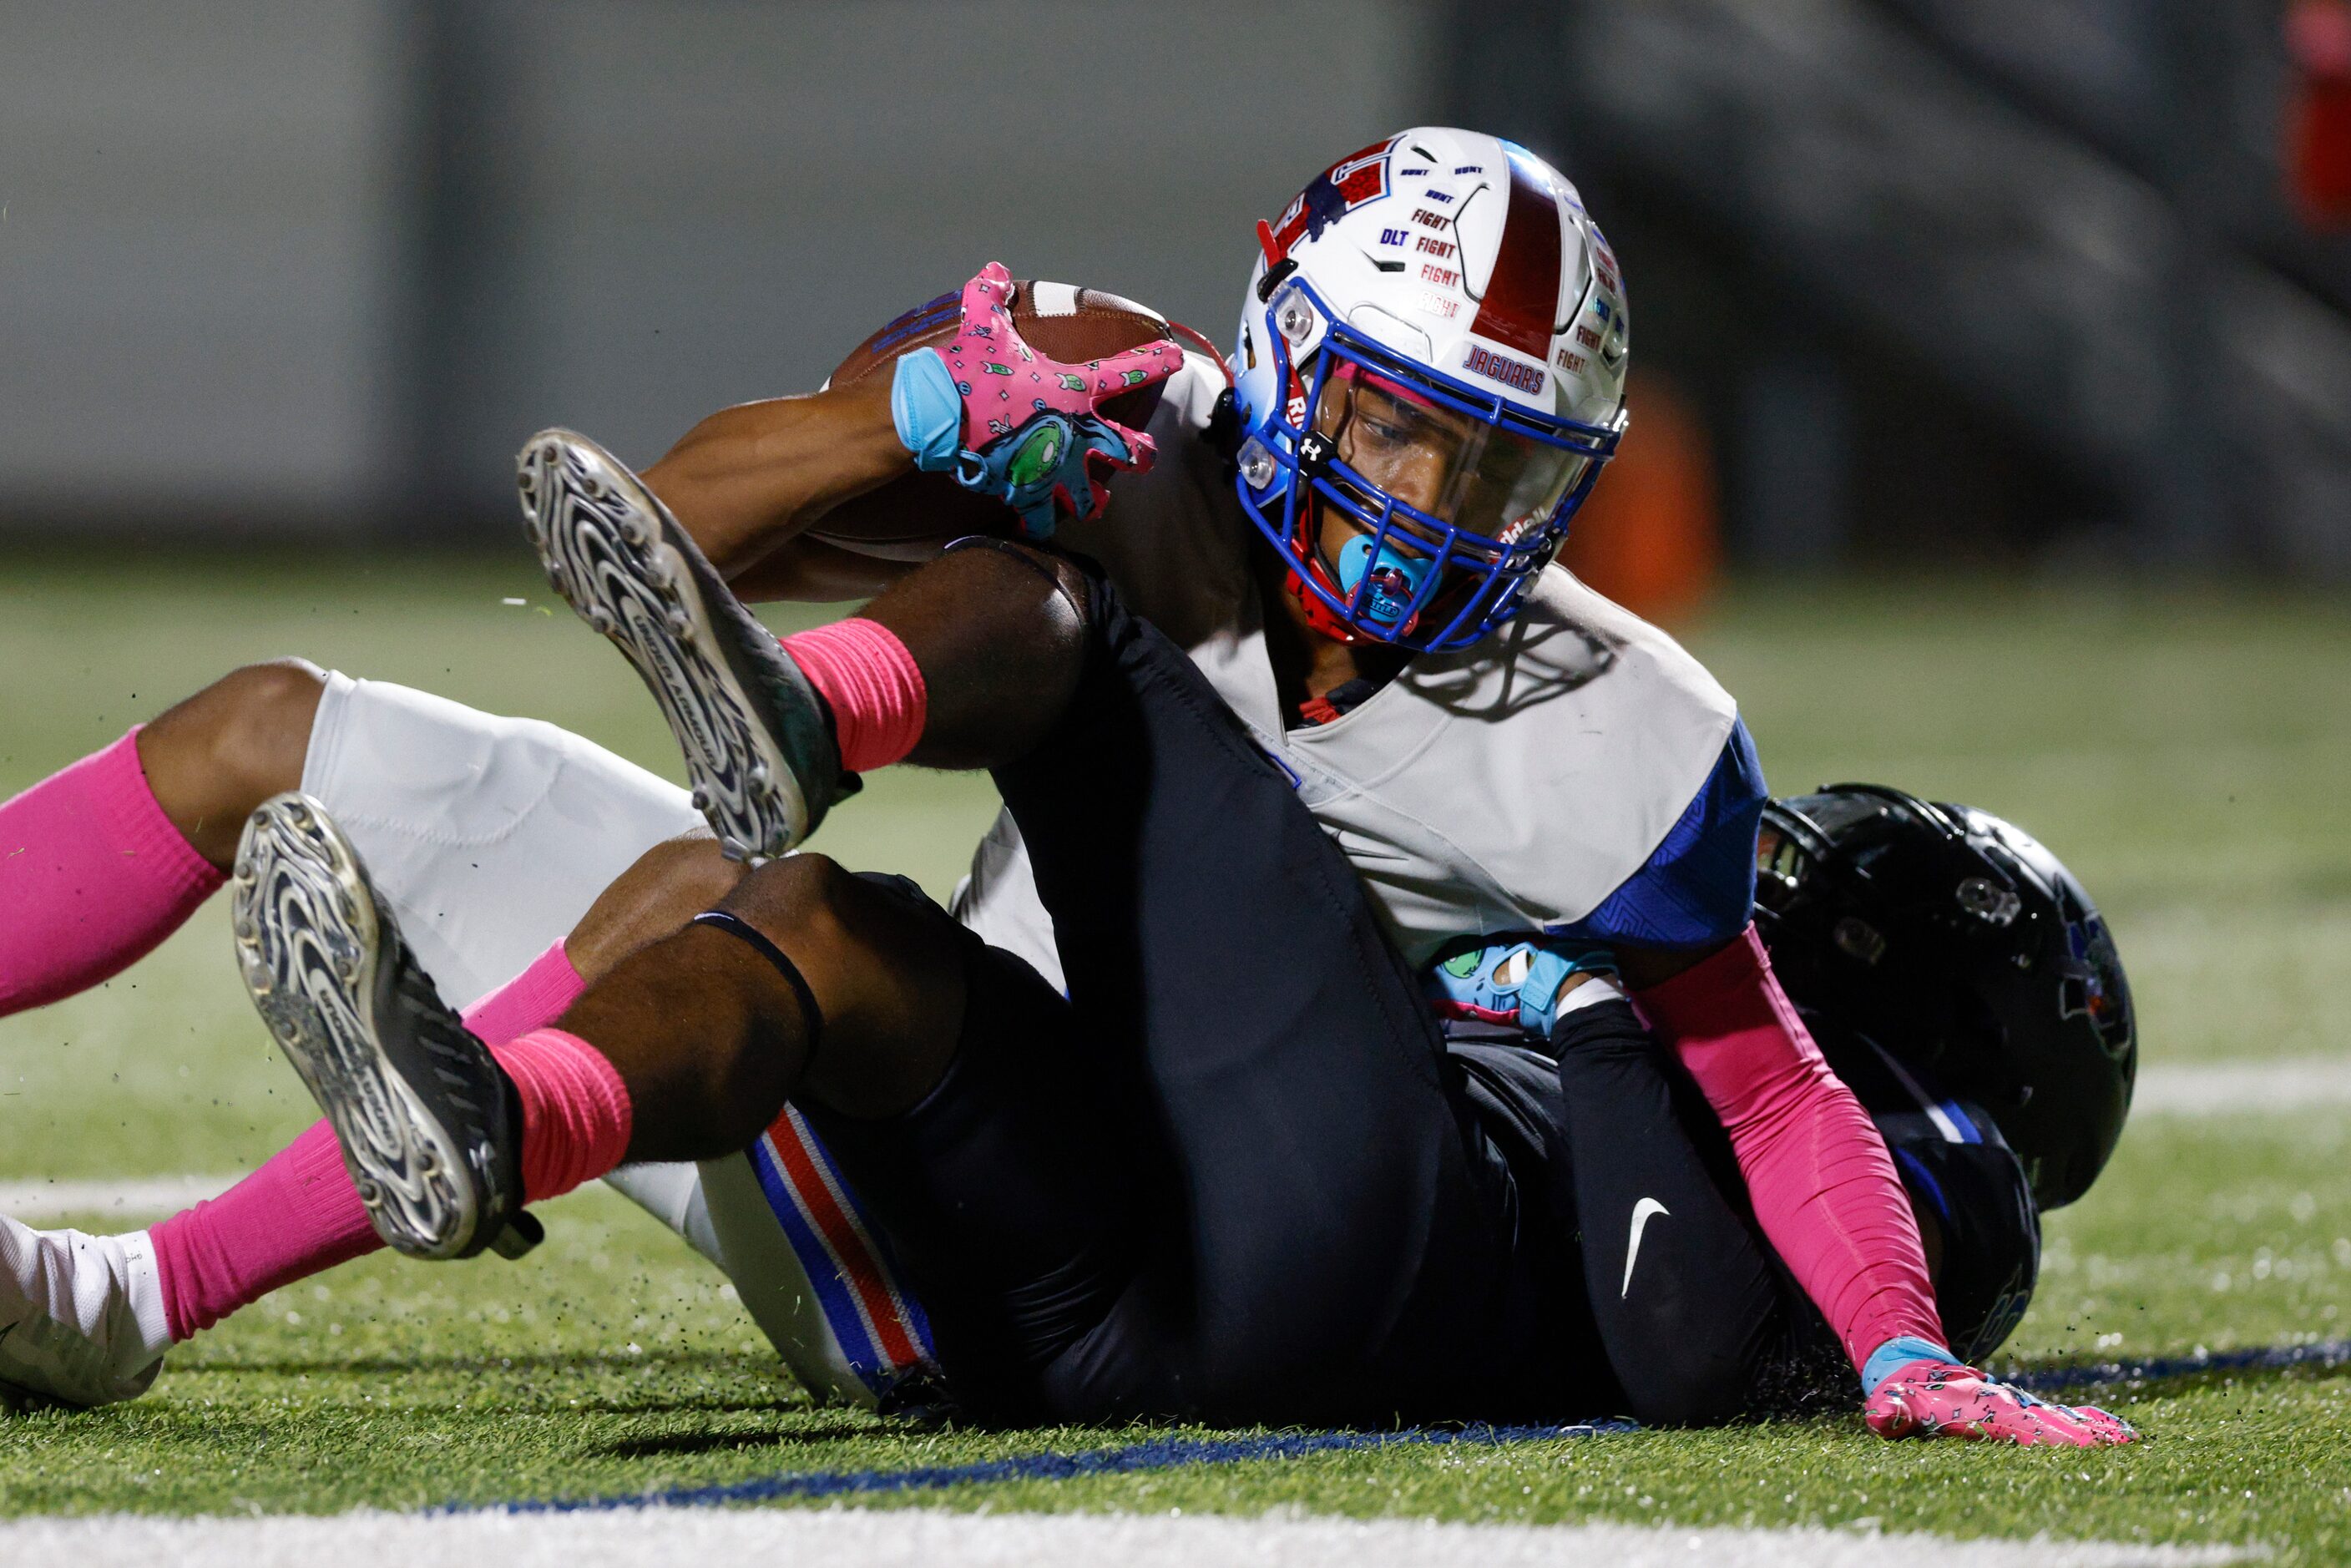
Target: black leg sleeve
x=1689 y=1304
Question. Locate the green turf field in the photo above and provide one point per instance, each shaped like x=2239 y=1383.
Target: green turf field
x=2185 y=754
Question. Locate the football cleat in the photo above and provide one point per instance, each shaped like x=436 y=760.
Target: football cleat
x=81 y=1318
x=758 y=743
x=429 y=1125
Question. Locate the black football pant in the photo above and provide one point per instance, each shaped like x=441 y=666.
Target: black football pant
x=1700 y=1321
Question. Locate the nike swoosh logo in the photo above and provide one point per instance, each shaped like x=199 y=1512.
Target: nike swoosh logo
x=1643 y=1212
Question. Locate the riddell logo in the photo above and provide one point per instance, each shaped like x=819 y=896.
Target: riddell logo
x=1514 y=374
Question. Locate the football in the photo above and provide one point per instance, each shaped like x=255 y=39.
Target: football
x=910 y=518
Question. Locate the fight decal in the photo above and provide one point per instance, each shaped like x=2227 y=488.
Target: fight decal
x=883 y=1332
x=1523 y=290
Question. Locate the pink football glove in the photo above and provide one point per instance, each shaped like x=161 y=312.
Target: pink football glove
x=1942 y=1399
x=1012 y=424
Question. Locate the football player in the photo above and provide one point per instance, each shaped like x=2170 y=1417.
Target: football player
x=1349 y=528
x=1408 y=440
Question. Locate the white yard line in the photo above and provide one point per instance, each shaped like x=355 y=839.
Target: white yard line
x=128 y=1201
x=2216 y=1088
x=923 y=1539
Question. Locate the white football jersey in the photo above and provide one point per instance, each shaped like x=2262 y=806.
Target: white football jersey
x=1508 y=787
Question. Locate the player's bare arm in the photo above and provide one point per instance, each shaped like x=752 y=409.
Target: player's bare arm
x=749 y=480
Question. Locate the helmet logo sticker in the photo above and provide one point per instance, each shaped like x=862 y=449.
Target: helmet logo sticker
x=1360 y=177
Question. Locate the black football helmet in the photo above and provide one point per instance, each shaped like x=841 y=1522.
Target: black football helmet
x=1967 y=950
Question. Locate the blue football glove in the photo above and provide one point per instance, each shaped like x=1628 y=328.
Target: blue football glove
x=1516 y=981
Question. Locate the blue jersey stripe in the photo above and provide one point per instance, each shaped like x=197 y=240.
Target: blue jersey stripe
x=1697 y=889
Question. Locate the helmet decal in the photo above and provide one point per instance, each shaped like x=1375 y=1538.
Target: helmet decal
x=1521 y=295
x=1361 y=176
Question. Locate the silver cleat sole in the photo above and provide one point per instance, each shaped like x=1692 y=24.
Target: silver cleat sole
x=613 y=552
x=309 y=944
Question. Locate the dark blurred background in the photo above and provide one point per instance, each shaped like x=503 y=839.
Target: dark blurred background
x=1914 y=283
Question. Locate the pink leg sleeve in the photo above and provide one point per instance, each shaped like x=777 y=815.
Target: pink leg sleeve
x=299 y=1215
x=93 y=876
x=532 y=999
x=1822 y=1184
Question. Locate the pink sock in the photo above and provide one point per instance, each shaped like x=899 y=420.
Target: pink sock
x=93 y=876
x=576 y=1113
x=299 y=1215
x=870 y=680
x=535 y=998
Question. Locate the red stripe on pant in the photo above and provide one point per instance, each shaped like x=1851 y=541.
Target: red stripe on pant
x=844 y=1238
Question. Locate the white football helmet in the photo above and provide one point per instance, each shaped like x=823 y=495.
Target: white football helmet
x=1433 y=345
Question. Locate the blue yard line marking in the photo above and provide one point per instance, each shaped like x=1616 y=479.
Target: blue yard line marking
x=1168 y=1453
x=2258 y=1358
x=1172 y=1453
